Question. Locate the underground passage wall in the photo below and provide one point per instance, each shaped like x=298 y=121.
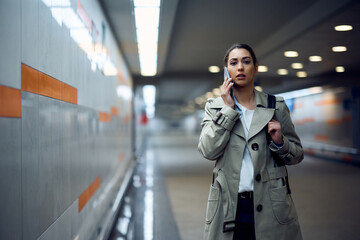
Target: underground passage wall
x=65 y=120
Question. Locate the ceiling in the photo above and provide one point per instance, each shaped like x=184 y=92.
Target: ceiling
x=194 y=34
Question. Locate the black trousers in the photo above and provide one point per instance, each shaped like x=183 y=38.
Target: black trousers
x=244 y=223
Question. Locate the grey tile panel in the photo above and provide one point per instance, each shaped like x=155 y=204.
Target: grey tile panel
x=10 y=45
x=10 y=178
x=30 y=164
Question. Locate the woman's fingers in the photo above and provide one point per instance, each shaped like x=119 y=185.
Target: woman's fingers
x=225 y=92
x=274 y=129
x=227 y=85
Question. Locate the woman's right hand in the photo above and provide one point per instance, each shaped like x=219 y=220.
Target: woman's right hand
x=225 y=92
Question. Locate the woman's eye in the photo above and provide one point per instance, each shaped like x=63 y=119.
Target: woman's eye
x=247 y=62
x=232 y=63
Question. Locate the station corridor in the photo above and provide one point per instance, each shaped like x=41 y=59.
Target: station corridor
x=326 y=203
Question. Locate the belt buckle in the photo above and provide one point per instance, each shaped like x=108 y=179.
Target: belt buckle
x=229 y=226
x=246 y=195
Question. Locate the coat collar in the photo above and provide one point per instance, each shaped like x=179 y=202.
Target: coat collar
x=262 y=115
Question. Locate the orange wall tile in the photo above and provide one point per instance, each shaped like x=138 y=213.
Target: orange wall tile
x=10 y=102
x=321 y=137
x=29 y=79
x=334 y=121
x=40 y=83
x=104 y=117
x=88 y=193
x=114 y=111
x=328 y=102
x=298 y=105
x=49 y=86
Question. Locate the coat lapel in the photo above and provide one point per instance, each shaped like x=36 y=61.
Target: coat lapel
x=262 y=114
x=261 y=117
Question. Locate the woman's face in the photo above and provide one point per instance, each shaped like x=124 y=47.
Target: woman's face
x=241 y=67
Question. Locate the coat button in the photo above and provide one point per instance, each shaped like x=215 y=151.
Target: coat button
x=258 y=177
x=255 y=146
x=259 y=208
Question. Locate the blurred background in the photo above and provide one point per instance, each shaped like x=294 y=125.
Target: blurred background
x=101 y=103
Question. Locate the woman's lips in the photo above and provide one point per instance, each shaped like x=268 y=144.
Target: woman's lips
x=240 y=76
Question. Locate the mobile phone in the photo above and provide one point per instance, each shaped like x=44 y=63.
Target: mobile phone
x=227 y=75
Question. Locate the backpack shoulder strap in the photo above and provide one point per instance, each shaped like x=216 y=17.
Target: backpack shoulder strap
x=271 y=101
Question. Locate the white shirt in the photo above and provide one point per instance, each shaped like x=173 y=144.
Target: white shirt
x=247 y=168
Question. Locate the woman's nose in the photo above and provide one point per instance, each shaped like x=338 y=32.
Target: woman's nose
x=240 y=66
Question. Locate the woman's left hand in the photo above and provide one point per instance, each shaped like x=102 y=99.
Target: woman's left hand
x=274 y=128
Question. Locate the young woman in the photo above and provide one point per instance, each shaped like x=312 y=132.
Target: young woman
x=250 y=143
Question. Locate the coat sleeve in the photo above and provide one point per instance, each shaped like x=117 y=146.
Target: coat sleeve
x=291 y=152
x=215 y=133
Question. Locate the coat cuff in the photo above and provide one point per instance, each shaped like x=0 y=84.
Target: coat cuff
x=226 y=117
x=283 y=150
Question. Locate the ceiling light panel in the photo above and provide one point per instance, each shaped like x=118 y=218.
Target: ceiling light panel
x=315 y=58
x=214 y=69
x=340 y=69
x=262 y=68
x=343 y=28
x=297 y=65
x=282 y=71
x=339 y=49
x=301 y=74
x=291 y=54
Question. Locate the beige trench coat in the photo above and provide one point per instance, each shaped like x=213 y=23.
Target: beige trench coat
x=223 y=140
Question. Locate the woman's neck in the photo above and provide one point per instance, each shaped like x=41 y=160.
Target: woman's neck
x=246 y=97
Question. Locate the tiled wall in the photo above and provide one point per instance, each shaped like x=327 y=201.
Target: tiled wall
x=327 y=124
x=65 y=133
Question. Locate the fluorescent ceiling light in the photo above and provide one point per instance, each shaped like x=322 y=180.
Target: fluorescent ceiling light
x=262 y=68
x=147 y=3
x=214 y=69
x=147 y=14
x=147 y=35
x=297 y=65
x=340 y=69
x=291 y=54
x=315 y=58
x=343 y=28
x=339 y=49
x=301 y=74
x=282 y=71
x=147 y=18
